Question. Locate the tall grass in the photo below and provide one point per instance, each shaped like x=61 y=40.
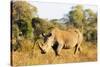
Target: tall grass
x=32 y=56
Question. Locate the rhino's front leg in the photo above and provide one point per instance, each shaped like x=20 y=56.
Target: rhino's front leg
x=60 y=46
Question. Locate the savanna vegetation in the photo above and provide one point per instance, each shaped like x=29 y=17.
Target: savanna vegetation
x=27 y=28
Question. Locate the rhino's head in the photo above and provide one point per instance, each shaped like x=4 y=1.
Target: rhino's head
x=48 y=42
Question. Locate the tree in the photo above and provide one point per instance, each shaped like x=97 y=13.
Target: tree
x=76 y=15
x=22 y=14
x=84 y=19
x=90 y=25
x=41 y=25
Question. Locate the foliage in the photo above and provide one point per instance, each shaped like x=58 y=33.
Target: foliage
x=22 y=14
x=84 y=19
x=40 y=26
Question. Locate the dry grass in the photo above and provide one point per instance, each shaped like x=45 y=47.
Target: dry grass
x=34 y=56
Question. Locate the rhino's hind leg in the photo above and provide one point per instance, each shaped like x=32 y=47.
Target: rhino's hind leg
x=76 y=48
x=80 y=49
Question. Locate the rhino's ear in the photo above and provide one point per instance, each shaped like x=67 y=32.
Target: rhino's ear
x=49 y=35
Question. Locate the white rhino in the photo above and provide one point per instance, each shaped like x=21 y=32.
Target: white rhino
x=71 y=38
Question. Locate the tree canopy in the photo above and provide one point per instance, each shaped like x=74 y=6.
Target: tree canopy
x=22 y=14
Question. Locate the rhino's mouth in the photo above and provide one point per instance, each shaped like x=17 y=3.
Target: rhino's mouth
x=42 y=50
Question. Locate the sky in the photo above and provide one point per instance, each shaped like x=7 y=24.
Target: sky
x=56 y=10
